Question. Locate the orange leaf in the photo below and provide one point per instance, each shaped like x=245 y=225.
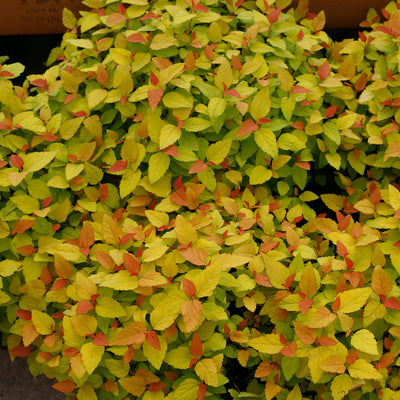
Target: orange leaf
x=87 y=235
x=152 y=339
x=263 y=370
x=131 y=334
x=65 y=386
x=26 y=250
x=188 y=287
x=324 y=71
x=386 y=360
x=273 y=16
x=197 y=167
x=304 y=333
x=100 y=339
x=305 y=305
x=201 y=392
x=325 y=340
x=323 y=317
x=308 y=282
x=392 y=303
x=333 y=364
x=29 y=333
x=23 y=225
x=83 y=307
x=24 y=314
x=62 y=266
x=101 y=75
x=381 y=282
x=104 y=259
x=191 y=312
x=248 y=126
x=196 y=346
x=290 y=350
x=194 y=255
x=341 y=249
x=154 y=96
x=119 y=165
x=132 y=264
x=271 y=390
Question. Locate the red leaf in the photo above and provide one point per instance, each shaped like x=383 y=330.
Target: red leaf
x=325 y=340
x=236 y=63
x=324 y=71
x=119 y=165
x=343 y=222
x=100 y=339
x=17 y=161
x=188 y=287
x=298 y=125
x=70 y=97
x=300 y=89
x=197 y=167
x=132 y=264
x=300 y=35
x=196 y=346
x=154 y=96
x=392 y=303
x=25 y=315
x=273 y=16
x=201 y=392
x=149 y=15
x=80 y=114
x=152 y=339
x=6 y=74
x=23 y=225
x=153 y=79
x=156 y=386
x=248 y=126
x=331 y=111
x=233 y=93
x=20 y=351
x=6 y=124
x=66 y=386
x=83 y=307
x=201 y=8
x=305 y=305
x=59 y=284
x=103 y=192
x=40 y=83
x=290 y=350
x=171 y=151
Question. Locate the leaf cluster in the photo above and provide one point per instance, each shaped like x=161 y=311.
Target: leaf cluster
x=200 y=200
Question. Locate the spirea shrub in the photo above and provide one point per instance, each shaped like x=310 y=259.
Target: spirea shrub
x=200 y=200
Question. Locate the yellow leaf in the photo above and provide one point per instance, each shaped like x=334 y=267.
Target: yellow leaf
x=86 y=392
x=315 y=357
x=84 y=287
x=261 y=104
x=353 y=299
x=111 y=230
x=286 y=79
x=206 y=369
x=207 y=280
x=95 y=97
x=266 y=141
x=361 y=369
x=158 y=165
x=154 y=356
x=333 y=364
x=321 y=318
x=333 y=201
x=186 y=390
x=176 y=100
x=107 y=307
x=340 y=386
x=308 y=282
x=277 y=273
x=179 y=358
x=259 y=175
x=157 y=218
x=163 y=41
x=37 y=160
x=365 y=206
x=394 y=197
x=365 y=341
x=8 y=267
x=165 y=313
x=122 y=280
x=91 y=356
x=169 y=134
x=295 y=394
x=217 y=152
x=84 y=324
x=154 y=252
x=268 y=344
x=71 y=337
x=191 y=313
x=134 y=385
x=43 y=323
x=224 y=76
x=185 y=232
x=271 y=390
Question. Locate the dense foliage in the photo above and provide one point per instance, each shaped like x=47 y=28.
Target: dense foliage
x=200 y=199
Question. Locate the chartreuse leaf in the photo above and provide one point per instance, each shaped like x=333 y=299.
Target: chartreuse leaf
x=158 y=165
x=341 y=385
x=353 y=299
x=91 y=356
x=186 y=390
x=365 y=341
x=155 y=356
x=42 y=322
x=361 y=369
x=107 y=307
x=267 y=344
x=207 y=370
x=165 y=313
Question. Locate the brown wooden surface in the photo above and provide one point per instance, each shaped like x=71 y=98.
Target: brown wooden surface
x=345 y=13
x=30 y=17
